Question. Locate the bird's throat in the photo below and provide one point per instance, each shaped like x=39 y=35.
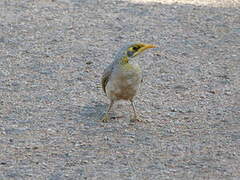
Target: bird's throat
x=127 y=66
x=124 y=61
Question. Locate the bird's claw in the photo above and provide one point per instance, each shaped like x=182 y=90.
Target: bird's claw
x=105 y=118
x=136 y=119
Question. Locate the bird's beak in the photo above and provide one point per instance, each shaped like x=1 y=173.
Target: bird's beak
x=147 y=46
x=144 y=47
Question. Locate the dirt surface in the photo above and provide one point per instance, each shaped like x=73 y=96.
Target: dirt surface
x=52 y=55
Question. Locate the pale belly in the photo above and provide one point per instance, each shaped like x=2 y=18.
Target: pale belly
x=123 y=85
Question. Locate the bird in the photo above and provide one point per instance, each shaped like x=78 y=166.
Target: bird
x=122 y=78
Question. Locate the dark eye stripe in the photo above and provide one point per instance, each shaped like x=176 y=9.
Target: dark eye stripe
x=135 y=48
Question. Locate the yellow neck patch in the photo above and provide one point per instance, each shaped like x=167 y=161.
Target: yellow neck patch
x=130 y=67
x=124 y=60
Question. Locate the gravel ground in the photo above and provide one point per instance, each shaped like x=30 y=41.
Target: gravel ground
x=52 y=55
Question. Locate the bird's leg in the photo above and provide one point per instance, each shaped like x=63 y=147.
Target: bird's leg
x=135 y=117
x=106 y=116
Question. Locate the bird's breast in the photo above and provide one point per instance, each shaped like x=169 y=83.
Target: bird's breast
x=130 y=74
x=125 y=82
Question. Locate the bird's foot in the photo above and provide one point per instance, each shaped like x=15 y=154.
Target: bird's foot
x=105 y=118
x=136 y=119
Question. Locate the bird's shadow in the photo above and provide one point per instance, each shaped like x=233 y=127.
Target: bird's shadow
x=93 y=111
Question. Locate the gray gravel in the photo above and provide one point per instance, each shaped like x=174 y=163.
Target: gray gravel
x=52 y=54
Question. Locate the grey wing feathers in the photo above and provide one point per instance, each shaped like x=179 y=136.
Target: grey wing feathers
x=106 y=75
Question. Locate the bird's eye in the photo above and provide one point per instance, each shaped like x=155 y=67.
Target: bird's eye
x=135 y=48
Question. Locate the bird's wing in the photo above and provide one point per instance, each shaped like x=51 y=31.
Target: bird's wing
x=106 y=76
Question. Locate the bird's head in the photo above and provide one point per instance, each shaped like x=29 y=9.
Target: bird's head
x=132 y=50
